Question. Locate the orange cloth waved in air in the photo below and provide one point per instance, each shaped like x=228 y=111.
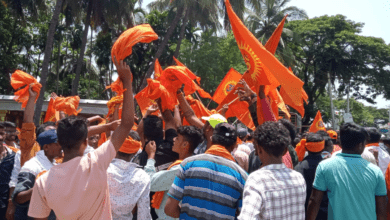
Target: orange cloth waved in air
x=123 y=46
x=158 y=196
x=197 y=106
x=51 y=114
x=117 y=87
x=68 y=105
x=156 y=90
x=157 y=70
x=264 y=68
x=317 y=124
x=188 y=71
x=228 y=83
x=130 y=146
x=117 y=100
x=221 y=151
x=20 y=79
x=143 y=101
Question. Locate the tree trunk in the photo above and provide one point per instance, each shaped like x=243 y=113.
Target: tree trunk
x=83 y=45
x=182 y=32
x=162 y=47
x=46 y=59
x=130 y=20
x=58 y=63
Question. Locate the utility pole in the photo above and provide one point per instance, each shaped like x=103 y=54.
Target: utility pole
x=331 y=102
x=348 y=97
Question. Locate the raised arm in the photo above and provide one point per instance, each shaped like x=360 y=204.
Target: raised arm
x=120 y=134
x=188 y=112
x=98 y=129
x=167 y=117
x=29 y=111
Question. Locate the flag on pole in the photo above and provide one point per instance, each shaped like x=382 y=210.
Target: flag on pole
x=227 y=85
x=51 y=114
x=317 y=124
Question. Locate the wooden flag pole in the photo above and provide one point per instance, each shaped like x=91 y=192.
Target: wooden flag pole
x=230 y=103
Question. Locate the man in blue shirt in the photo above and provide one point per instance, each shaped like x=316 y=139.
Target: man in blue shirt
x=356 y=188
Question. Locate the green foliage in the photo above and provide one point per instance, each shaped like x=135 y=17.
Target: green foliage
x=332 y=45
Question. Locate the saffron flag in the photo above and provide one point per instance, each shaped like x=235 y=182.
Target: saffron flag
x=157 y=70
x=317 y=124
x=260 y=61
x=199 y=109
x=20 y=79
x=156 y=90
x=51 y=114
x=143 y=101
x=227 y=85
x=68 y=105
x=273 y=41
x=192 y=76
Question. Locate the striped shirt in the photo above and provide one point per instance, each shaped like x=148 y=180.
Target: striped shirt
x=210 y=187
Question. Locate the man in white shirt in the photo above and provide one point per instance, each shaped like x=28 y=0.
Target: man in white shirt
x=373 y=145
x=129 y=186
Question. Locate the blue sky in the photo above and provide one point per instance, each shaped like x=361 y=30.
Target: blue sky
x=375 y=14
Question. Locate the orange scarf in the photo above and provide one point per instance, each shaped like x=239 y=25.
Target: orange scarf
x=373 y=145
x=20 y=79
x=221 y=151
x=311 y=146
x=117 y=86
x=67 y=105
x=130 y=146
x=112 y=103
x=158 y=196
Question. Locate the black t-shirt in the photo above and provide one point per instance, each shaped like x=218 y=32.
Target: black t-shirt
x=254 y=162
x=164 y=154
x=308 y=169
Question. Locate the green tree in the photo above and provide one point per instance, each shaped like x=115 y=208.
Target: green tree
x=332 y=45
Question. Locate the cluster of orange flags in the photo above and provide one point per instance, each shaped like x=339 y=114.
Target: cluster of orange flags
x=21 y=79
x=68 y=105
x=123 y=48
x=318 y=124
x=264 y=68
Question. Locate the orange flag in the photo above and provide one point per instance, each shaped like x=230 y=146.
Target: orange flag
x=192 y=76
x=143 y=101
x=278 y=103
x=123 y=46
x=260 y=61
x=317 y=124
x=67 y=105
x=189 y=72
x=199 y=109
x=51 y=114
x=273 y=41
x=20 y=79
x=228 y=83
x=156 y=90
x=157 y=70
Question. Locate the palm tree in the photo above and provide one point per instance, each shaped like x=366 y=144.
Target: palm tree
x=239 y=7
x=263 y=22
x=46 y=59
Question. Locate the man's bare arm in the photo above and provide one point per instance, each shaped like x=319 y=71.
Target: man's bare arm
x=188 y=112
x=314 y=204
x=29 y=110
x=381 y=207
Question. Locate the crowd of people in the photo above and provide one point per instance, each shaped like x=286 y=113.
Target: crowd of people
x=156 y=168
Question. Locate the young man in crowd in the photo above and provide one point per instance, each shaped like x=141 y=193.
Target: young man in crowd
x=42 y=162
x=315 y=144
x=209 y=185
x=78 y=187
x=11 y=134
x=129 y=186
x=373 y=146
x=356 y=188
x=329 y=146
x=7 y=160
x=274 y=191
x=160 y=182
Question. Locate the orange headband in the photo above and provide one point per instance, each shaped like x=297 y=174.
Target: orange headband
x=130 y=146
x=332 y=134
x=315 y=146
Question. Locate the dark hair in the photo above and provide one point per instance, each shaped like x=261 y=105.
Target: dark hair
x=374 y=134
x=290 y=127
x=192 y=134
x=41 y=128
x=226 y=141
x=272 y=137
x=8 y=124
x=153 y=128
x=72 y=132
x=351 y=135
x=1 y=125
x=134 y=135
x=314 y=137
